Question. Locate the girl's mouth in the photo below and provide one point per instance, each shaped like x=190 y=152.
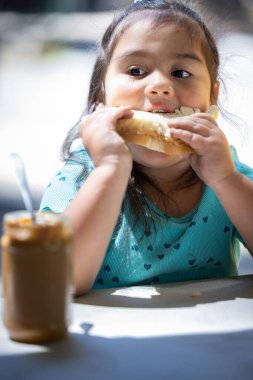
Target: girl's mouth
x=160 y=108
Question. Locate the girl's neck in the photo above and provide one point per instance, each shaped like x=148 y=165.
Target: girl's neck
x=172 y=193
x=176 y=203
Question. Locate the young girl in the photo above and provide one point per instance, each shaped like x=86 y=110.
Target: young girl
x=139 y=216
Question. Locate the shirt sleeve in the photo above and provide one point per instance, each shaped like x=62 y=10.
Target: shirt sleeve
x=245 y=170
x=65 y=184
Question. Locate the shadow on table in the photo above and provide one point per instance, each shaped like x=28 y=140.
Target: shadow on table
x=83 y=356
x=184 y=294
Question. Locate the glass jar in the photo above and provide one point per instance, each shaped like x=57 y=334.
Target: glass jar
x=36 y=276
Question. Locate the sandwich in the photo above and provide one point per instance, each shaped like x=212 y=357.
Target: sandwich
x=151 y=130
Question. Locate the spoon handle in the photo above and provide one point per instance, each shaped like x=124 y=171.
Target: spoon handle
x=22 y=182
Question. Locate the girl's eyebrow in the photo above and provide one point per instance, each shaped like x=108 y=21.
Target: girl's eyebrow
x=145 y=53
x=190 y=56
x=133 y=53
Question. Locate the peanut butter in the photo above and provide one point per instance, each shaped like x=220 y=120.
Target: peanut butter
x=36 y=276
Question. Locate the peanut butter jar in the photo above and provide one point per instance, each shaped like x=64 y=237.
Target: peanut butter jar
x=36 y=276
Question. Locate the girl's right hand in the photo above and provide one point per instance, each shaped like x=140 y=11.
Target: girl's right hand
x=104 y=145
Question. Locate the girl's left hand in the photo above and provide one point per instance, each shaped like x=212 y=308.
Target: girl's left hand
x=211 y=159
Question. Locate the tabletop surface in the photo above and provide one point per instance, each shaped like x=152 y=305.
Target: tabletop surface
x=188 y=330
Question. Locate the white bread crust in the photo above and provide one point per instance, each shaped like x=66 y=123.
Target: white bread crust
x=152 y=130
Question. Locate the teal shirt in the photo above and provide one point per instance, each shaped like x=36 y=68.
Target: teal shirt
x=202 y=244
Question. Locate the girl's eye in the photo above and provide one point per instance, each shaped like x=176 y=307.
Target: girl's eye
x=180 y=74
x=136 y=71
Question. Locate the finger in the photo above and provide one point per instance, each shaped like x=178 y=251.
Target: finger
x=199 y=129
x=121 y=112
x=207 y=116
x=200 y=119
x=196 y=141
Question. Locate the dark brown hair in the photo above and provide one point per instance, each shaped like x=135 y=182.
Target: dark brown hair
x=160 y=12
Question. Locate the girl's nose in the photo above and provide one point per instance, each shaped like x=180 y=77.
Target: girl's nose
x=160 y=86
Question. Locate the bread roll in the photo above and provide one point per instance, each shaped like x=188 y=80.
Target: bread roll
x=151 y=130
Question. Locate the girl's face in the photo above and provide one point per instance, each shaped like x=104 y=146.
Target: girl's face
x=157 y=69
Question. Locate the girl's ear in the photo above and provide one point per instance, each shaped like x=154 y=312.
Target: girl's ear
x=215 y=93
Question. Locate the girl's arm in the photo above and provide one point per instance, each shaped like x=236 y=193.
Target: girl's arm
x=94 y=211
x=93 y=214
x=213 y=163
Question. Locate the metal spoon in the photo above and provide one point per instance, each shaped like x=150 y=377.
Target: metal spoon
x=23 y=184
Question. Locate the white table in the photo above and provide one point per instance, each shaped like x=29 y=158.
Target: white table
x=192 y=330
